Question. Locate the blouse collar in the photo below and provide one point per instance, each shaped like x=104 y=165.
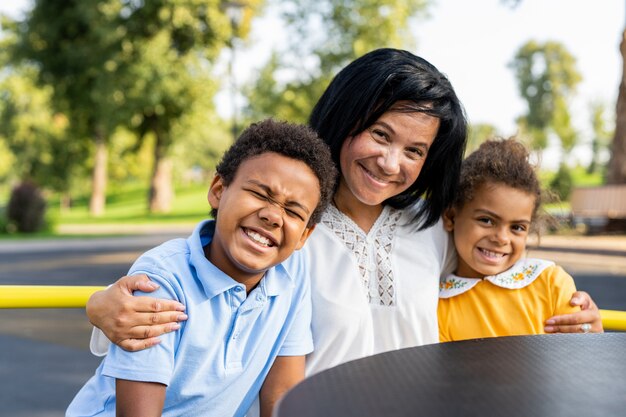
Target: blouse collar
x=520 y=275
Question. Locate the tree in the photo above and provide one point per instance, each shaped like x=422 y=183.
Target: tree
x=73 y=44
x=140 y=65
x=36 y=135
x=617 y=164
x=601 y=135
x=547 y=78
x=324 y=36
x=166 y=53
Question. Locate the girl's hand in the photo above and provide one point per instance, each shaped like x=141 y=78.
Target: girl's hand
x=133 y=323
x=573 y=323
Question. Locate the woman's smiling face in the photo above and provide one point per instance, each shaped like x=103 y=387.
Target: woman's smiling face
x=386 y=158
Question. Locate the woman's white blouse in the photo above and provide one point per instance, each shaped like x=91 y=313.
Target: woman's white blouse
x=373 y=292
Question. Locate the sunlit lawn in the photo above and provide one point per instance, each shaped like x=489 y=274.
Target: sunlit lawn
x=127 y=206
x=130 y=207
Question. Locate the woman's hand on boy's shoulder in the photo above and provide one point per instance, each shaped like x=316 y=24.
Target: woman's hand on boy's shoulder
x=573 y=323
x=133 y=323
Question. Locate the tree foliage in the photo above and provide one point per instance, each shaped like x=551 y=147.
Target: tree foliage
x=73 y=44
x=34 y=135
x=143 y=67
x=601 y=135
x=547 y=78
x=324 y=36
x=477 y=134
x=167 y=50
x=562 y=183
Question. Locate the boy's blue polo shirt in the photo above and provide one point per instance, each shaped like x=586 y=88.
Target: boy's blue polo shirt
x=216 y=363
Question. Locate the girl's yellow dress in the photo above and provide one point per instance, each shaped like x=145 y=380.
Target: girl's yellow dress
x=515 y=302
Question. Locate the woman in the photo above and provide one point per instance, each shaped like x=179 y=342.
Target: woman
x=397 y=132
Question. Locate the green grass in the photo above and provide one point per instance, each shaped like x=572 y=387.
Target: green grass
x=126 y=205
x=581 y=178
x=130 y=207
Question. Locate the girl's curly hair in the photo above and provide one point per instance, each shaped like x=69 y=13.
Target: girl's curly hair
x=504 y=161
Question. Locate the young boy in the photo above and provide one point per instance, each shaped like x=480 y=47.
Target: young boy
x=495 y=291
x=249 y=307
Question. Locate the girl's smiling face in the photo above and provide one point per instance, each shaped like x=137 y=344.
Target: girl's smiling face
x=386 y=158
x=490 y=231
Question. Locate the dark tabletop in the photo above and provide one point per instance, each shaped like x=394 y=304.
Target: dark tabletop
x=545 y=375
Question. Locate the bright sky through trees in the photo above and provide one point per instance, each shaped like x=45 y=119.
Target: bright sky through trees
x=474 y=41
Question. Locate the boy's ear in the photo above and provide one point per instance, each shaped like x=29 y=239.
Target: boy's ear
x=215 y=191
x=448 y=219
x=305 y=235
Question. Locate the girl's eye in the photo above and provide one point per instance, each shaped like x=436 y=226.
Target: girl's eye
x=485 y=220
x=519 y=228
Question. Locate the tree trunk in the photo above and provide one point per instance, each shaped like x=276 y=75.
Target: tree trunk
x=161 y=190
x=617 y=165
x=65 y=201
x=99 y=176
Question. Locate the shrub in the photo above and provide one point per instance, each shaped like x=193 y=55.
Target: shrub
x=561 y=184
x=26 y=209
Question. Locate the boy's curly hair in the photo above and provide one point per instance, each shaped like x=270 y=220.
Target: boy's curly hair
x=291 y=140
x=504 y=161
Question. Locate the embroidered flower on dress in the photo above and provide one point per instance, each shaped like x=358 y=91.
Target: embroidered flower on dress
x=512 y=275
x=520 y=275
x=452 y=283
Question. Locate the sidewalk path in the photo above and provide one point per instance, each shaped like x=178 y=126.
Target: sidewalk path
x=583 y=254
x=610 y=244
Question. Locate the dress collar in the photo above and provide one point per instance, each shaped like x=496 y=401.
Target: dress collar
x=520 y=275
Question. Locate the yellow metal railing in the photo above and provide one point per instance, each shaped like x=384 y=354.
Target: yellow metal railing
x=45 y=296
x=613 y=320
x=63 y=296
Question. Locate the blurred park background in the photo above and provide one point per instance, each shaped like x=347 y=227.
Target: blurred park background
x=113 y=113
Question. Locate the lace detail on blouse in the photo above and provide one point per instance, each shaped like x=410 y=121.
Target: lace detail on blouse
x=372 y=250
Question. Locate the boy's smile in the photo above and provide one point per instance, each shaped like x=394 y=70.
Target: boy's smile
x=490 y=230
x=263 y=215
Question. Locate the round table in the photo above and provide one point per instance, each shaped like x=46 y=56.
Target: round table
x=543 y=375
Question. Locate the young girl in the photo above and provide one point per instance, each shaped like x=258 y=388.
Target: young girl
x=495 y=291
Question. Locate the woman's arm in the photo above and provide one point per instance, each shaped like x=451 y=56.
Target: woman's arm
x=133 y=323
x=138 y=399
x=286 y=372
x=571 y=323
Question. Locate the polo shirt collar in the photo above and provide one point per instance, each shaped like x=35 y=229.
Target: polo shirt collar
x=520 y=275
x=276 y=280
x=214 y=281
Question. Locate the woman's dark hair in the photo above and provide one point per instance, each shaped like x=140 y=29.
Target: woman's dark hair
x=294 y=141
x=370 y=86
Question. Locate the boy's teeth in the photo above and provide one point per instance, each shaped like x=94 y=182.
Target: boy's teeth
x=258 y=238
